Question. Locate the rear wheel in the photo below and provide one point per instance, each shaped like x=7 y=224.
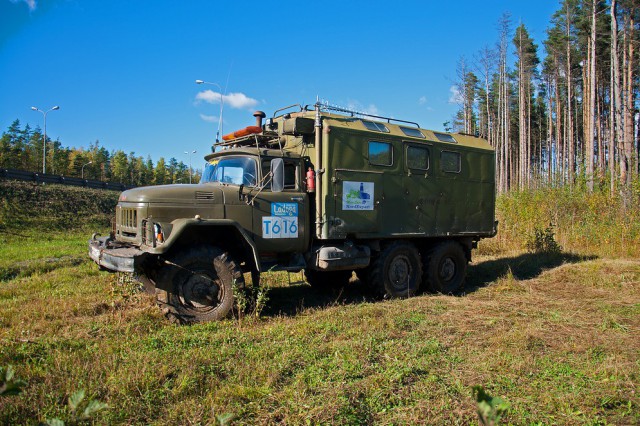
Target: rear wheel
x=199 y=285
x=445 y=268
x=327 y=279
x=397 y=271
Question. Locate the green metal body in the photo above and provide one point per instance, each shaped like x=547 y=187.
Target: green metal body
x=408 y=202
x=372 y=185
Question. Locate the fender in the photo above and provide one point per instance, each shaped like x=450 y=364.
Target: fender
x=180 y=227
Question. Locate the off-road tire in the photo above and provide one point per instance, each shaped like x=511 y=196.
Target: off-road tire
x=445 y=266
x=327 y=280
x=397 y=270
x=200 y=285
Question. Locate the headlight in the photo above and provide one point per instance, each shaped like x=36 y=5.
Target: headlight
x=159 y=235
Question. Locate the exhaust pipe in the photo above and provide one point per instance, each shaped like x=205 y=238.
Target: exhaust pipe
x=259 y=115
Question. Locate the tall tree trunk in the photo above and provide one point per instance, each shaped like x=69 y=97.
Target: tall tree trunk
x=550 y=155
x=569 y=129
x=589 y=134
x=629 y=98
x=602 y=165
x=617 y=102
x=521 y=114
x=527 y=158
x=615 y=94
x=559 y=169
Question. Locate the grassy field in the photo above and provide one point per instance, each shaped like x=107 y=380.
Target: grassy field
x=556 y=336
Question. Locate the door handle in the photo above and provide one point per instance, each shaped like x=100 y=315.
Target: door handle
x=297 y=198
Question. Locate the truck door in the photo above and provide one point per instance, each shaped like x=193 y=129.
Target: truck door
x=281 y=219
x=452 y=205
x=420 y=195
x=358 y=198
x=359 y=193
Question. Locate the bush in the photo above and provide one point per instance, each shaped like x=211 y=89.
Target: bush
x=543 y=241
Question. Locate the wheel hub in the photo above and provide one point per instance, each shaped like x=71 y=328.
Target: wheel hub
x=447 y=269
x=400 y=270
x=200 y=292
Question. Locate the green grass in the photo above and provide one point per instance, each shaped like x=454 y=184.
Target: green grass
x=27 y=205
x=556 y=336
x=29 y=252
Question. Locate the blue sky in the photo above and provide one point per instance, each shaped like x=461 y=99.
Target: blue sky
x=123 y=72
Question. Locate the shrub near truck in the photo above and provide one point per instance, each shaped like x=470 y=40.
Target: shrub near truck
x=321 y=190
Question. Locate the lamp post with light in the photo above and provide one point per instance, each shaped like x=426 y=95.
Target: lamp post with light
x=189 y=153
x=44 y=139
x=221 y=106
x=90 y=162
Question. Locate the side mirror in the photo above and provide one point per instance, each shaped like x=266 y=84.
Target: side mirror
x=277 y=173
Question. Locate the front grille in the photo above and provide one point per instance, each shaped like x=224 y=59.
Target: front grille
x=129 y=218
x=127 y=222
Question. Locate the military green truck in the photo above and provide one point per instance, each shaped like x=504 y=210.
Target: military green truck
x=315 y=188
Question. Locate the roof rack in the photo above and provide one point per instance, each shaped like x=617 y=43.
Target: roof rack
x=353 y=113
x=259 y=140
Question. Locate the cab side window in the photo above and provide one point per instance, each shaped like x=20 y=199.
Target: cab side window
x=290 y=173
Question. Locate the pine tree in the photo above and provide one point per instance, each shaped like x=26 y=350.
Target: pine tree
x=527 y=54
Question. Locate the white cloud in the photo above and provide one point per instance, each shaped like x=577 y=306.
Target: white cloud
x=234 y=100
x=357 y=106
x=422 y=100
x=209 y=118
x=31 y=3
x=456 y=96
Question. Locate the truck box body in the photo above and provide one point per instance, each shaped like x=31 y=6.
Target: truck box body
x=411 y=186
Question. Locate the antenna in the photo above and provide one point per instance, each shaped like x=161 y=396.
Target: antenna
x=220 y=126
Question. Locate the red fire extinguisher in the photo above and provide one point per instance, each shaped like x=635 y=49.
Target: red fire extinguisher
x=311 y=180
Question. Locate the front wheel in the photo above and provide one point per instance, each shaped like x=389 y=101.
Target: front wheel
x=199 y=285
x=445 y=268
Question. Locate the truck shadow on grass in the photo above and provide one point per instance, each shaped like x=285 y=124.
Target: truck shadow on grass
x=299 y=296
x=523 y=267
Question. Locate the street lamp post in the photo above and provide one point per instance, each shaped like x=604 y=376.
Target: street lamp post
x=90 y=162
x=221 y=106
x=44 y=139
x=189 y=153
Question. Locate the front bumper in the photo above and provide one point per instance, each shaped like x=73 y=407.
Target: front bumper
x=115 y=257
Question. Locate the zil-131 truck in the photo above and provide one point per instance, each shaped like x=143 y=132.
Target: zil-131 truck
x=316 y=188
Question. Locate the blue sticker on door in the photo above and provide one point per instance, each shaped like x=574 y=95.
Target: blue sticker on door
x=283 y=222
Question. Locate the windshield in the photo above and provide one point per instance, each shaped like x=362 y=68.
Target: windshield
x=234 y=170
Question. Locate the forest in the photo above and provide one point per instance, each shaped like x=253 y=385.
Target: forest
x=21 y=148
x=569 y=117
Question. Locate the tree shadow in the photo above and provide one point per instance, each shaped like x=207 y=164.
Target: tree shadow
x=523 y=267
x=299 y=296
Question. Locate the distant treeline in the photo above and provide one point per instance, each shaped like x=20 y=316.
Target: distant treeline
x=21 y=148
